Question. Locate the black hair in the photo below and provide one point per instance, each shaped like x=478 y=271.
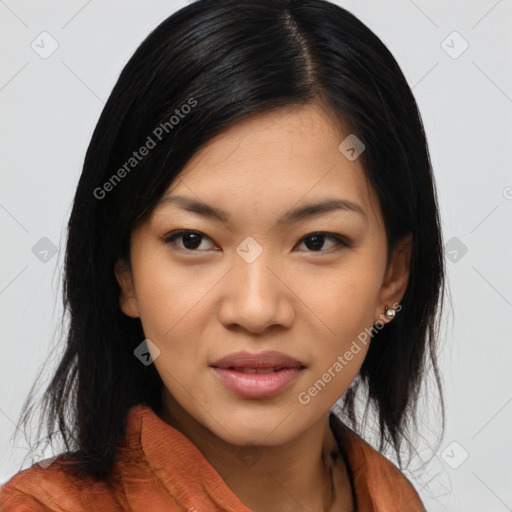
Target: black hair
x=202 y=70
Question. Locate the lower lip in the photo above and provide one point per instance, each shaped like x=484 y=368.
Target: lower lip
x=257 y=385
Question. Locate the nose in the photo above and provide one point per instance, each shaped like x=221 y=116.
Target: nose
x=257 y=295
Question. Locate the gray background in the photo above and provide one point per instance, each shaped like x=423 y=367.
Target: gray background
x=48 y=110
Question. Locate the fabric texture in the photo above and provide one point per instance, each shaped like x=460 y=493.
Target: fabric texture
x=158 y=469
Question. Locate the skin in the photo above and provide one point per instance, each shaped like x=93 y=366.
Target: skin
x=309 y=301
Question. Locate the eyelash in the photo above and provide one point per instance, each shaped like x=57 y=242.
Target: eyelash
x=340 y=241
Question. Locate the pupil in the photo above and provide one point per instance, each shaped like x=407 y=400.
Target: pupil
x=195 y=243
x=318 y=241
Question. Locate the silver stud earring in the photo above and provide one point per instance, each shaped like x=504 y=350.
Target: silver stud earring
x=389 y=312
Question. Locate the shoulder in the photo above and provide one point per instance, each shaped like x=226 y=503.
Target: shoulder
x=60 y=486
x=378 y=484
x=55 y=488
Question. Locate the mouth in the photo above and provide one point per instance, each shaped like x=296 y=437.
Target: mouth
x=268 y=361
x=245 y=369
x=257 y=376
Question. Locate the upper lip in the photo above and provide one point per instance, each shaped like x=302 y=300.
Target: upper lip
x=269 y=359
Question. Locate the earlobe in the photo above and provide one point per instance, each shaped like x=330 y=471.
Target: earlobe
x=127 y=297
x=396 y=279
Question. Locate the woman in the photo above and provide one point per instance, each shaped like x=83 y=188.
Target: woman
x=254 y=237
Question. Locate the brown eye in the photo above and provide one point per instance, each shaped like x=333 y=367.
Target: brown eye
x=191 y=240
x=315 y=241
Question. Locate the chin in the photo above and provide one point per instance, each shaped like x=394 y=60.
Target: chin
x=261 y=425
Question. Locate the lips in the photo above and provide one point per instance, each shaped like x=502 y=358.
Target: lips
x=264 y=362
x=257 y=376
x=241 y=369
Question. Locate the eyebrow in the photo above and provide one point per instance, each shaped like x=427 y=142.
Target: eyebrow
x=294 y=215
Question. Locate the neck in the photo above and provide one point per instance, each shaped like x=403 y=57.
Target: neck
x=296 y=475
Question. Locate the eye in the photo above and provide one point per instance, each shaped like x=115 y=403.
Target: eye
x=315 y=241
x=191 y=239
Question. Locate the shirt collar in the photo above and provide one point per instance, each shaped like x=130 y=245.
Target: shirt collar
x=378 y=484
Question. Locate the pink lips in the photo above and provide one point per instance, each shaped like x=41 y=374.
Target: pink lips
x=257 y=375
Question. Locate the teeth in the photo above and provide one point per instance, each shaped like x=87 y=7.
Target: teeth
x=256 y=370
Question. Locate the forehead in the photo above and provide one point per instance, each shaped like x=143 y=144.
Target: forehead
x=286 y=134
x=275 y=160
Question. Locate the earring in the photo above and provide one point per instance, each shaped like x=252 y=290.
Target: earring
x=389 y=312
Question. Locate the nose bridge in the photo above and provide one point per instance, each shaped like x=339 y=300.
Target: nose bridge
x=256 y=297
x=252 y=264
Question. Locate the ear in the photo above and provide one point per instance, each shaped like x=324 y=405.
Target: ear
x=127 y=298
x=395 y=279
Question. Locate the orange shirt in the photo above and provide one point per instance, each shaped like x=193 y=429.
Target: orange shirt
x=158 y=469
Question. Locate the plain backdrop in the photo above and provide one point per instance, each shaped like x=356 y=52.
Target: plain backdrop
x=59 y=62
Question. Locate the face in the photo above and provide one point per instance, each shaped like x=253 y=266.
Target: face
x=257 y=278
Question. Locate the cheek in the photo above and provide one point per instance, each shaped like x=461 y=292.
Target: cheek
x=343 y=301
x=336 y=364
x=166 y=296
x=345 y=305
x=170 y=302
x=158 y=306
x=165 y=313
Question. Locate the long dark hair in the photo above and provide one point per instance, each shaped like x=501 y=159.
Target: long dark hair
x=205 y=68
